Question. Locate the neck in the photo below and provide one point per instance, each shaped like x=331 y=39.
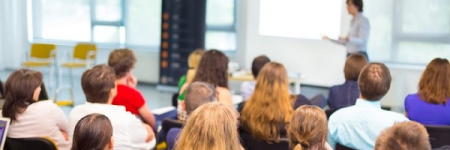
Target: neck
x=355 y=14
x=122 y=81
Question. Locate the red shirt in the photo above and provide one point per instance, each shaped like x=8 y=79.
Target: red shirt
x=129 y=97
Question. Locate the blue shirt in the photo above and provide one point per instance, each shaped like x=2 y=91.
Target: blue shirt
x=426 y=113
x=358 y=126
x=172 y=137
x=358 y=35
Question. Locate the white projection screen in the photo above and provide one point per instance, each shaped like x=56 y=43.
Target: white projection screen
x=306 y=19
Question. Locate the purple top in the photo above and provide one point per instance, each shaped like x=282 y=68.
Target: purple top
x=425 y=113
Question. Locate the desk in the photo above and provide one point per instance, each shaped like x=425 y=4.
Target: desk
x=249 y=77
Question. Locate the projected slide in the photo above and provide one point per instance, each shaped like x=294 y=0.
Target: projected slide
x=308 y=19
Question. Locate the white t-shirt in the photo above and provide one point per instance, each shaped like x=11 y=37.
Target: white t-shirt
x=41 y=119
x=128 y=131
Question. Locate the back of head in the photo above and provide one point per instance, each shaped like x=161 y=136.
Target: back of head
x=353 y=66
x=308 y=128
x=258 y=63
x=97 y=84
x=404 y=136
x=92 y=132
x=374 y=81
x=197 y=94
x=434 y=85
x=212 y=126
x=19 y=91
x=195 y=57
x=271 y=95
x=213 y=69
x=122 y=60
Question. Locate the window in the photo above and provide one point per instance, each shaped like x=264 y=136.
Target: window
x=412 y=32
x=124 y=22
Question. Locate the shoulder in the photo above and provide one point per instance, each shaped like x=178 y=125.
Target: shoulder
x=395 y=116
x=342 y=113
x=127 y=90
x=412 y=97
x=44 y=105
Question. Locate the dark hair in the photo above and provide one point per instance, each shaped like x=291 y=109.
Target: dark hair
x=357 y=3
x=434 y=85
x=19 y=91
x=213 y=69
x=97 y=83
x=92 y=132
x=374 y=81
x=258 y=63
x=122 y=60
x=354 y=65
x=199 y=93
x=407 y=135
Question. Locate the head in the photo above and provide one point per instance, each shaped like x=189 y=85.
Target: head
x=434 y=85
x=212 y=126
x=213 y=69
x=258 y=63
x=22 y=88
x=404 y=136
x=123 y=61
x=374 y=81
x=271 y=95
x=93 y=132
x=354 y=6
x=308 y=128
x=354 y=65
x=195 y=57
x=197 y=94
x=99 y=84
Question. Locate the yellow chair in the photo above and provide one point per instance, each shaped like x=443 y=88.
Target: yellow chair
x=42 y=55
x=69 y=102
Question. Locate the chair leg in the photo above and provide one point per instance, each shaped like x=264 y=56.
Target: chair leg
x=51 y=80
x=60 y=76
x=71 y=78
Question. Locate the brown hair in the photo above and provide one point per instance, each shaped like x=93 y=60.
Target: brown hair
x=434 y=85
x=354 y=65
x=212 y=126
x=19 y=91
x=358 y=3
x=308 y=128
x=197 y=94
x=213 y=69
x=122 y=60
x=271 y=101
x=374 y=81
x=408 y=135
x=193 y=61
x=97 y=83
x=92 y=132
x=258 y=63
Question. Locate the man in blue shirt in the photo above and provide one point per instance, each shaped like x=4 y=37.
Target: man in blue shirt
x=358 y=126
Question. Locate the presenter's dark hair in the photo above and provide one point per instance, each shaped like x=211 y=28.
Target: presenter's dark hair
x=357 y=3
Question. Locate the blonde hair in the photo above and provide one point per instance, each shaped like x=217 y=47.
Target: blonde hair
x=308 y=128
x=270 y=104
x=193 y=61
x=212 y=126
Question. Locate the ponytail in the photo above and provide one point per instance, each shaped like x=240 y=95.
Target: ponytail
x=298 y=147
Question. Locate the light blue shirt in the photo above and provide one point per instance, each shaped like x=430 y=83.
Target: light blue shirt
x=358 y=35
x=358 y=126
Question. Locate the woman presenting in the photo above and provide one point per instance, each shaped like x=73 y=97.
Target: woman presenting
x=356 y=41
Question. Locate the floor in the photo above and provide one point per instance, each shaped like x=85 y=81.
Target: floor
x=155 y=98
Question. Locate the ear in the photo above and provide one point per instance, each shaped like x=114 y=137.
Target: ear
x=183 y=105
x=111 y=143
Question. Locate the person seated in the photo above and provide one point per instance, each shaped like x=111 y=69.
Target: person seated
x=31 y=118
x=271 y=101
x=213 y=67
x=123 y=61
x=307 y=129
x=212 y=126
x=431 y=104
x=93 y=132
x=248 y=87
x=99 y=87
x=404 y=136
x=344 y=95
x=358 y=126
x=197 y=94
x=193 y=61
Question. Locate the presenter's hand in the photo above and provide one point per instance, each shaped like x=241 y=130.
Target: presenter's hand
x=325 y=38
x=345 y=38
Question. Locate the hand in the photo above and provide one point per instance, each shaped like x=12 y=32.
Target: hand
x=65 y=135
x=150 y=134
x=132 y=81
x=345 y=38
x=325 y=38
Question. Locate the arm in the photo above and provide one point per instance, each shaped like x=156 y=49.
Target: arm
x=61 y=121
x=145 y=114
x=224 y=96
x=363 y=34
x=139 y=135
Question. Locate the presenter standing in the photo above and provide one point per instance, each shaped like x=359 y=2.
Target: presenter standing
x=356 y=41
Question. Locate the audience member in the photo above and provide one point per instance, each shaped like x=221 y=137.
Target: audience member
x=197 y=94
x=346 y=94
x=30 y=117
x=93 y=132
x=100 y=89
x=358 y=126
x=213 y=70
x=248 y=87
x=404 y=136
x=193 y=62
x=123 y=61
x=307 y=129
x=430 y=105
x=212 y=126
